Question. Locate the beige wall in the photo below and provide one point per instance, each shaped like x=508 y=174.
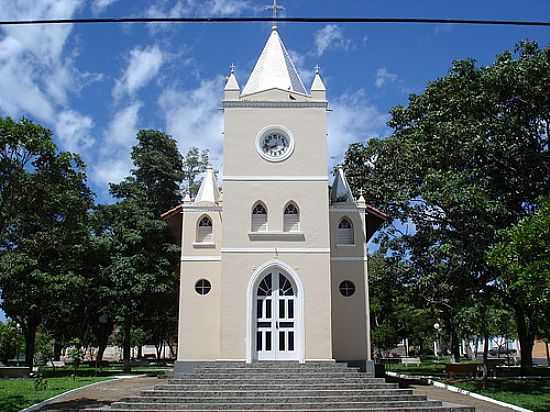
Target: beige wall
x=312 y=270
x=215 y=326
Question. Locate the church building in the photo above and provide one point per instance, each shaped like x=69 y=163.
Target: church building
x=274 y=265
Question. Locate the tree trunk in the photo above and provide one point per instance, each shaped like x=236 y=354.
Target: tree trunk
x=547 y=353
x=140 y=352
x=100 y=352
x=526 y=341
x=57 y=349
x=30 y=344
x=454 y=344
x=126 y=348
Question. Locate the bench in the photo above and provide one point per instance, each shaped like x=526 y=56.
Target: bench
x=462 y=369
x=410 y=361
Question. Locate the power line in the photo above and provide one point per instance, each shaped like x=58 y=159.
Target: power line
x=342 y=20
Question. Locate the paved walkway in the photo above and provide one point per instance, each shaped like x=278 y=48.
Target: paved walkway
x=99 y=395
x=108 y=392
x=457 y=398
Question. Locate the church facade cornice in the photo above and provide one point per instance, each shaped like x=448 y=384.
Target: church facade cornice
x=273 y=105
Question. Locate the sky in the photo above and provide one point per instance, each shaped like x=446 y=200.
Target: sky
x=94 y=86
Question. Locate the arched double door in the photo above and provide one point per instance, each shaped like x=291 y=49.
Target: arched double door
x=275 y=317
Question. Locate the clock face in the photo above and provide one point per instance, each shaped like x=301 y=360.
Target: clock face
x=275 y=144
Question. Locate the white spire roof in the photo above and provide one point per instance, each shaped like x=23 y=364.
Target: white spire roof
x=318 y=85
x=340 y=191
x=208 y=192
x=232 y=83
x=274 y=69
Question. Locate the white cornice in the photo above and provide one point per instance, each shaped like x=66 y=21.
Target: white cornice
x=201 y=258
x=349 y=259
x=191 y=208
x=277 y=250
x=275 y=178
x=230 y=104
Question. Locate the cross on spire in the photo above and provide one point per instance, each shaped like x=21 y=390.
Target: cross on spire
x=232 y=67
x=275 y=8
x=317 y=69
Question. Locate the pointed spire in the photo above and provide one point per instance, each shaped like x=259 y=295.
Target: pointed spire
x=208 y=192
x=187 y=198
x=340 y=191
x=232 y=83
x=318 y=85
x=274 y=69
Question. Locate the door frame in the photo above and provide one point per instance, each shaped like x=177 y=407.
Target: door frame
x=255 y=279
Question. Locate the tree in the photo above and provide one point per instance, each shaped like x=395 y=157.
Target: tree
x=467 y=157
x=44 y=201
x=10 y=341
x=522 y=257
x=140 y=278
x=194 y=163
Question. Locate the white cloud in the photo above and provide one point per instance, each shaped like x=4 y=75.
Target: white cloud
x=179 y=8
x=73 y=129
x=143 y=65
x=100 y=5
x=113 y=161
x=123 y=127
x=330 y=37
x=383 y=76
x=353 y=120
x=36 y=75
x=193 y=117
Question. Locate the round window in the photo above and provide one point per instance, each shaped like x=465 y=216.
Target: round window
x=202 y=287
x=347 y=288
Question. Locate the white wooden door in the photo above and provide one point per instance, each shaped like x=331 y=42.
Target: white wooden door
x=275 y=314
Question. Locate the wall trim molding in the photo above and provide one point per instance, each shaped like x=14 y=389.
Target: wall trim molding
x=201 y=258
x=302 y=250
x=192 y=208
x=275 y=178
x=230 y=104
x=349 y=259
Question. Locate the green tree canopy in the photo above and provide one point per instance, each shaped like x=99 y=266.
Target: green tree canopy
x=467 y=157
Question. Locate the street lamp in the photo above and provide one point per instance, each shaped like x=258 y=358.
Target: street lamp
x=437 y=328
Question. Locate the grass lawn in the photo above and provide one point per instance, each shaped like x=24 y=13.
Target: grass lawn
x=16 y=394
x=529 y=394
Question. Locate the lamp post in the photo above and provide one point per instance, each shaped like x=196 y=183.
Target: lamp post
x=437 y=328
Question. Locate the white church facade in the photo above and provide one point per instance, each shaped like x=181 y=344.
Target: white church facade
x=276 y=269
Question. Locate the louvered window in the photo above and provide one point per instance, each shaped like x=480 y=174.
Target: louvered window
x=291 y=218
x=204 y=231
x=344 y=232
x=259 y=218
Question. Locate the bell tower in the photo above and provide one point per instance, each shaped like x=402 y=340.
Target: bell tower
x=276 y=208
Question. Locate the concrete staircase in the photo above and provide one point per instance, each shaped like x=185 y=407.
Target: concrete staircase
x=278 y=386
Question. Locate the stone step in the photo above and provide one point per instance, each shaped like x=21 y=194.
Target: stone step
x=299 y=393
x=279 y=370
x=274 y=365
x=443 y=408
x=287 y=375
x=267 y=386
x=259 y=397
x=218 y=406
x=275 y=380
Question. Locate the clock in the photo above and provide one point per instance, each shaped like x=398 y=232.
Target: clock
x=275 y=143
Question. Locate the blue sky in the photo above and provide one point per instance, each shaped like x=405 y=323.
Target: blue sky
x=94 y=86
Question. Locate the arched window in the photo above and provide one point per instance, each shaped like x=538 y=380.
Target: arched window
x=259 y=218
x=344 y=232
x=291 y=220
x=204 y=230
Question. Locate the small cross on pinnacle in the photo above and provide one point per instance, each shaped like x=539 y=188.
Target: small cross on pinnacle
x=276 y=8
x=232 y=67
x=317 y=69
